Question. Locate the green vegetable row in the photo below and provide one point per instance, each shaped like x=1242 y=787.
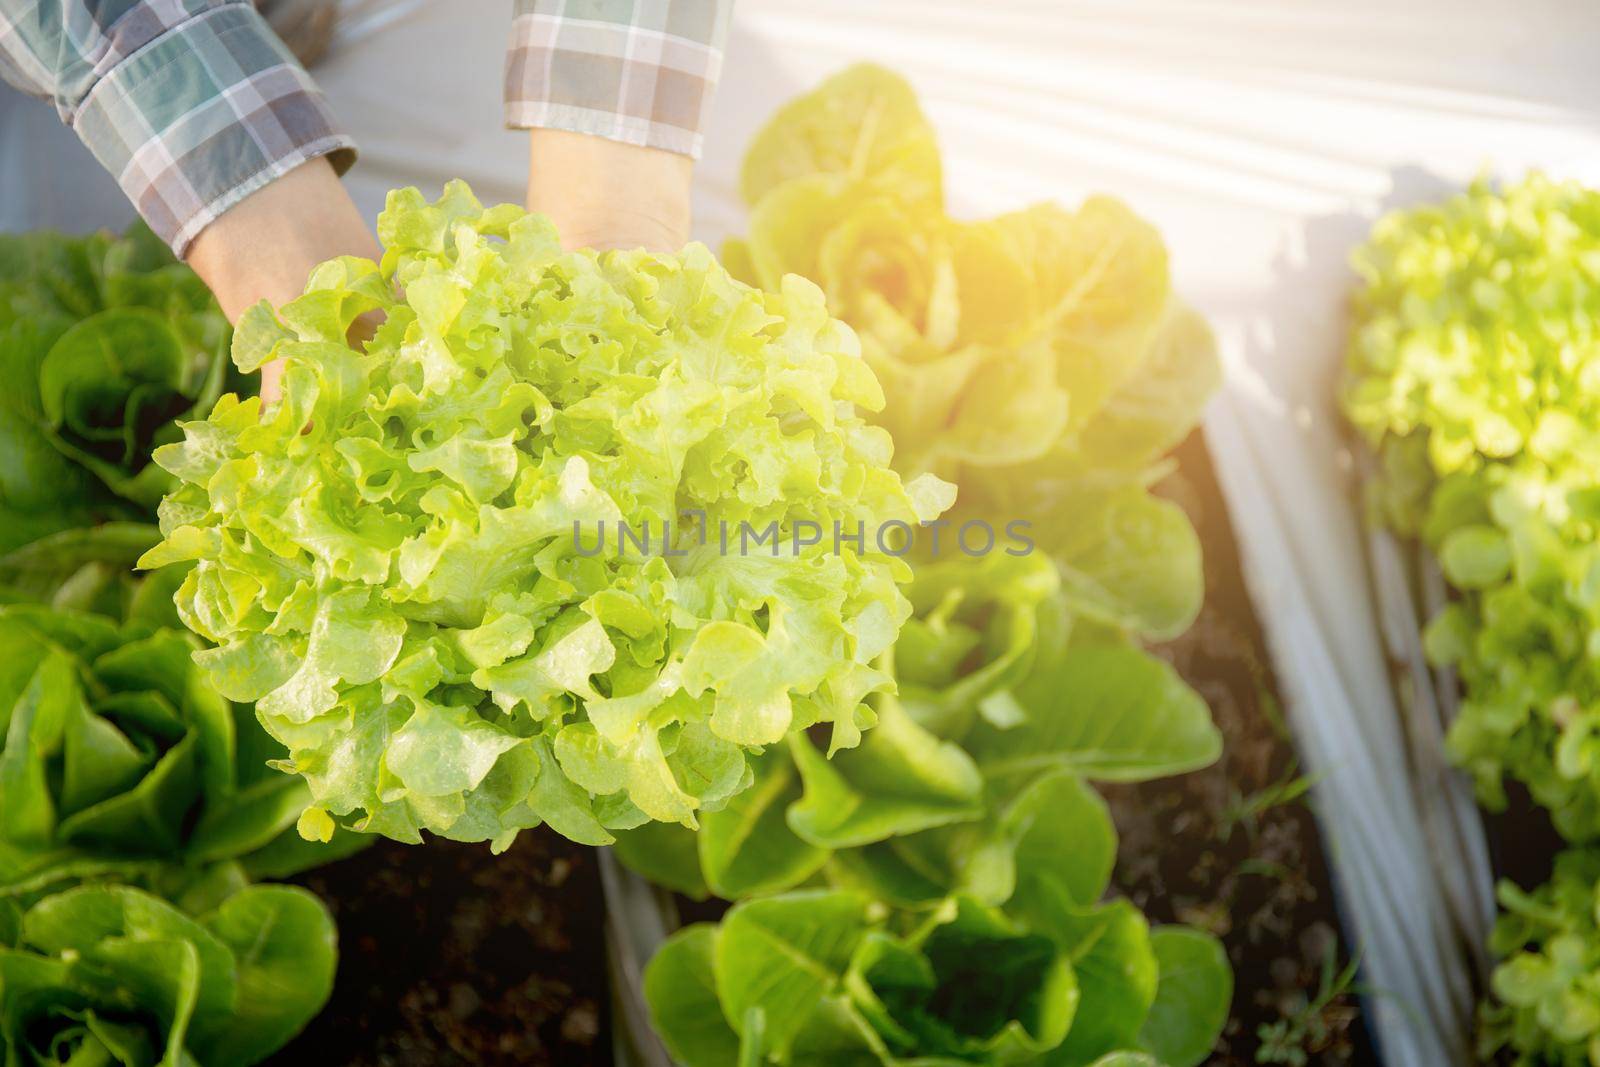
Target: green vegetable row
x=104 y=341
x=137 y=806
x=1474 y=374
x=938 y=893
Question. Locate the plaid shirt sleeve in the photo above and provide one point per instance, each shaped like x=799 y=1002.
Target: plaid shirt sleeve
x=639 y=71
x=190 y=104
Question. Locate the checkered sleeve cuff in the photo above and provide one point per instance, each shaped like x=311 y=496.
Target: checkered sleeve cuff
x=193 y=109
x=638 y=71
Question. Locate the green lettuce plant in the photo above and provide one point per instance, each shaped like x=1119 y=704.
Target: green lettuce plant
x=136 y=804
x=104 y=342
x=1548 y=988
x=111 y=976
x=404 y=564
x=970 y=797
x=119 y=763
x=1471 y=377
x=827 y=977
x=1040 y=360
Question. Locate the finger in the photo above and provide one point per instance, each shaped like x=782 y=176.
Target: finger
x=271 y=382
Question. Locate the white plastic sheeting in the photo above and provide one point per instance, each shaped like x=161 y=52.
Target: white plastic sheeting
x=1263 y=138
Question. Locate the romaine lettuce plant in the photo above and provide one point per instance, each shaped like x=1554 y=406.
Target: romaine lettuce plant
x=104 y=341
x=969 y=797
x=825 y=977
x=1472 y=377
x=414 y=564
x=1040 y=359
x=119 y=763
x=110 y=976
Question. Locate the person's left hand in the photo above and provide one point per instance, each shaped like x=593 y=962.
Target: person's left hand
x=606 y=194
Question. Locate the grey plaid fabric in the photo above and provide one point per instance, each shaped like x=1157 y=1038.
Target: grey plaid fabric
x=640 y=71
x=191 y=104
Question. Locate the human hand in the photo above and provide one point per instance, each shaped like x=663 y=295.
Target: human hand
x=605 y=194
x=264 y=247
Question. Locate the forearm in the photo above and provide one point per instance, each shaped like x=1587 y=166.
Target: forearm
x=264 y=247
x=602 y=193
x=615 y=98
x=192 y=107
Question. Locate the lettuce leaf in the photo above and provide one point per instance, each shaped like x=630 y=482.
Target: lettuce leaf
x=118 y=762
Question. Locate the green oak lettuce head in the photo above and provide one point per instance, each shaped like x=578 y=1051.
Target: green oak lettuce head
x=1472 y=375
x=403 y=562
x=1546 y=1003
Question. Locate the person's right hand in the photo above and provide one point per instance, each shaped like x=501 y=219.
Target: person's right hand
x=265 y=247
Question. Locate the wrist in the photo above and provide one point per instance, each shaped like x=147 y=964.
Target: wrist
x=607 y=194
x=264 y=247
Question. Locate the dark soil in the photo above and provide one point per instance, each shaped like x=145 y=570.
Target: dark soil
x=1523 y=843
x=1234 y=848
x=452 y=957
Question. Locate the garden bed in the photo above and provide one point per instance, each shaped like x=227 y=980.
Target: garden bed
x=1233 y=848
x=449 y=956
x=502 y=961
